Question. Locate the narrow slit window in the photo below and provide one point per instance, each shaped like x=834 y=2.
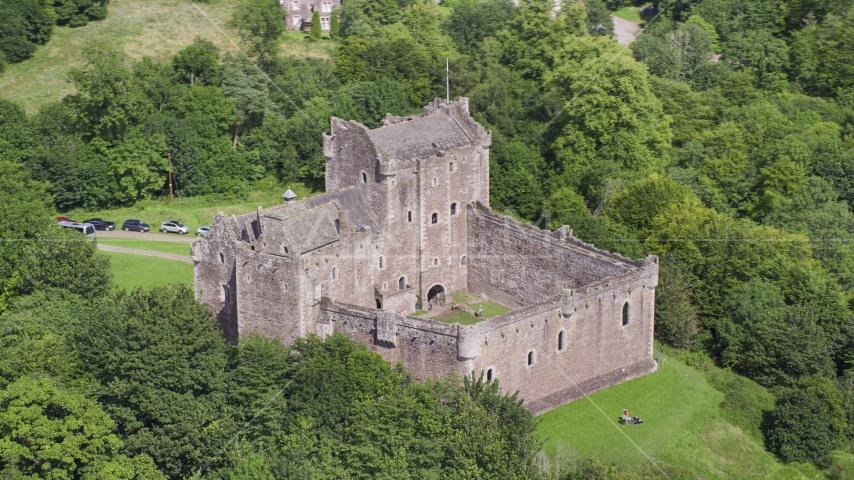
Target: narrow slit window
x=560 y=341
x=409 y=216
x=434 y=219
x=452 y=166
x=530 y=358
x=453 y=209
x=463 y=261
x=334 y=273
x=381 y=262
x=221 y=258
x=364 y=177
x=625 y=314
x=401 y=283
x=489 y=375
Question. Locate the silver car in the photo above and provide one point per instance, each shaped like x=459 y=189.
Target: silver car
x=172 y=226
x=203 y=230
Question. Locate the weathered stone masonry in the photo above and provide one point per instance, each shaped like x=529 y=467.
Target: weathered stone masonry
x=406 y=218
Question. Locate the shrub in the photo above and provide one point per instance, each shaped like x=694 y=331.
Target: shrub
x=799 y=428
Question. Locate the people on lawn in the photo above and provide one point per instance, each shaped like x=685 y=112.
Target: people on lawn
x=633 y=420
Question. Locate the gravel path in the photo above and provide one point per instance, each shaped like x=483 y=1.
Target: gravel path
x=168 y=256
x=157 y=236
x=625 y=30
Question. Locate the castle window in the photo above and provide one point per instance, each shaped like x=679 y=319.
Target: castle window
x=285 y=287
x=436 y=262
x=226 y=294
x=434 y=219
x=334 y=273
x=364 y=177
x=381 y=261
x=463 y=261
x=337 y=226
x=531 y=358
x=452 y=166
x=401 y=283
x=285 y=248
x=221 y=258
x=625 y=314
x=453 y=209
x=561 y=344
x=489 y=375
x=379 y=303
x=435 y=181
x=409 y=216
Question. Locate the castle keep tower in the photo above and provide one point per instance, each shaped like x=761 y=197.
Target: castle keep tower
x=405 y=221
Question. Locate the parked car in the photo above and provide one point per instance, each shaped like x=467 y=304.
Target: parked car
x=203 y=230
x=173 y=226
x=100 y=224
x=135 y=226
x=84 y=228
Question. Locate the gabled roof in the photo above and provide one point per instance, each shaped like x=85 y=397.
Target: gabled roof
x=420 y=137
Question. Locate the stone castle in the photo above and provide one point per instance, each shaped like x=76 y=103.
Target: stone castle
x=405 y=222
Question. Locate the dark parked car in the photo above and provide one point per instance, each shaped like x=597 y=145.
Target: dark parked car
x=135 y=226
x=100 y=224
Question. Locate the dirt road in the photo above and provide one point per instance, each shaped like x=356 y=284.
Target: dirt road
x=157 y=236
x=168 y=256
x=624 y=30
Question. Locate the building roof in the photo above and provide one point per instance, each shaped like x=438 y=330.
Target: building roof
x=289 y=195
x=421 y=137
x=352 y=199
x=311 y=229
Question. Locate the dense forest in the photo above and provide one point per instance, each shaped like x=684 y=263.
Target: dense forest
x=721 y=140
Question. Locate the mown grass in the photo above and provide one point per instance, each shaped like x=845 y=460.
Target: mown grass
x=130 y=271
x=685 y=432
x=152 y=28
x=175 y=248
x=192 y=212
x=632 y=13
x=490 y=309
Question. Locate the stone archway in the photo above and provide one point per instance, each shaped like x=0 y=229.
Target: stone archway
x=436 y=294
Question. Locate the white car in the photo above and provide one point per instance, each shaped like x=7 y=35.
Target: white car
x=203 y=230
x=174 y=227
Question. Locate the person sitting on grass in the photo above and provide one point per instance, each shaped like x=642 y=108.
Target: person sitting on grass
x=625 y=416
x=636 y=420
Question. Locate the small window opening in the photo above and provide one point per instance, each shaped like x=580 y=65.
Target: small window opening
x=560 y=344
x=381 y=262
x=334 y=273
x=285 y=248
x=452 y=166
x=453 y=209
x=379 y=304
x=226 y=295
x=221 y=258
x=401 y=283
x=625 y=314
x=364 y=177
x=435 y=181
x=436 y=262
x=409 y=216
x=463 y=261
x=489 y=375
x=530 y=358
x=286 y=287
x=434 y=219
x=337 y=226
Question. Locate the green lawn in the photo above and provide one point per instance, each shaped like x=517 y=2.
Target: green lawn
x=130 y=271
x=490 y=309
x=177 y=248
x=152 y=28
x=632 y=13
x=463 y=296
x=194 y=211
x=684 y=432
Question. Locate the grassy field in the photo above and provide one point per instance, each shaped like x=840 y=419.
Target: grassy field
x=152 y=28
x=130 y=271
x=175 y=248
x=684 y=434
x=192 y=212
x=631 y=13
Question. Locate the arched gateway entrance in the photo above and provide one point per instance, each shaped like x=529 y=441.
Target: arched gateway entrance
x=436 y=295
